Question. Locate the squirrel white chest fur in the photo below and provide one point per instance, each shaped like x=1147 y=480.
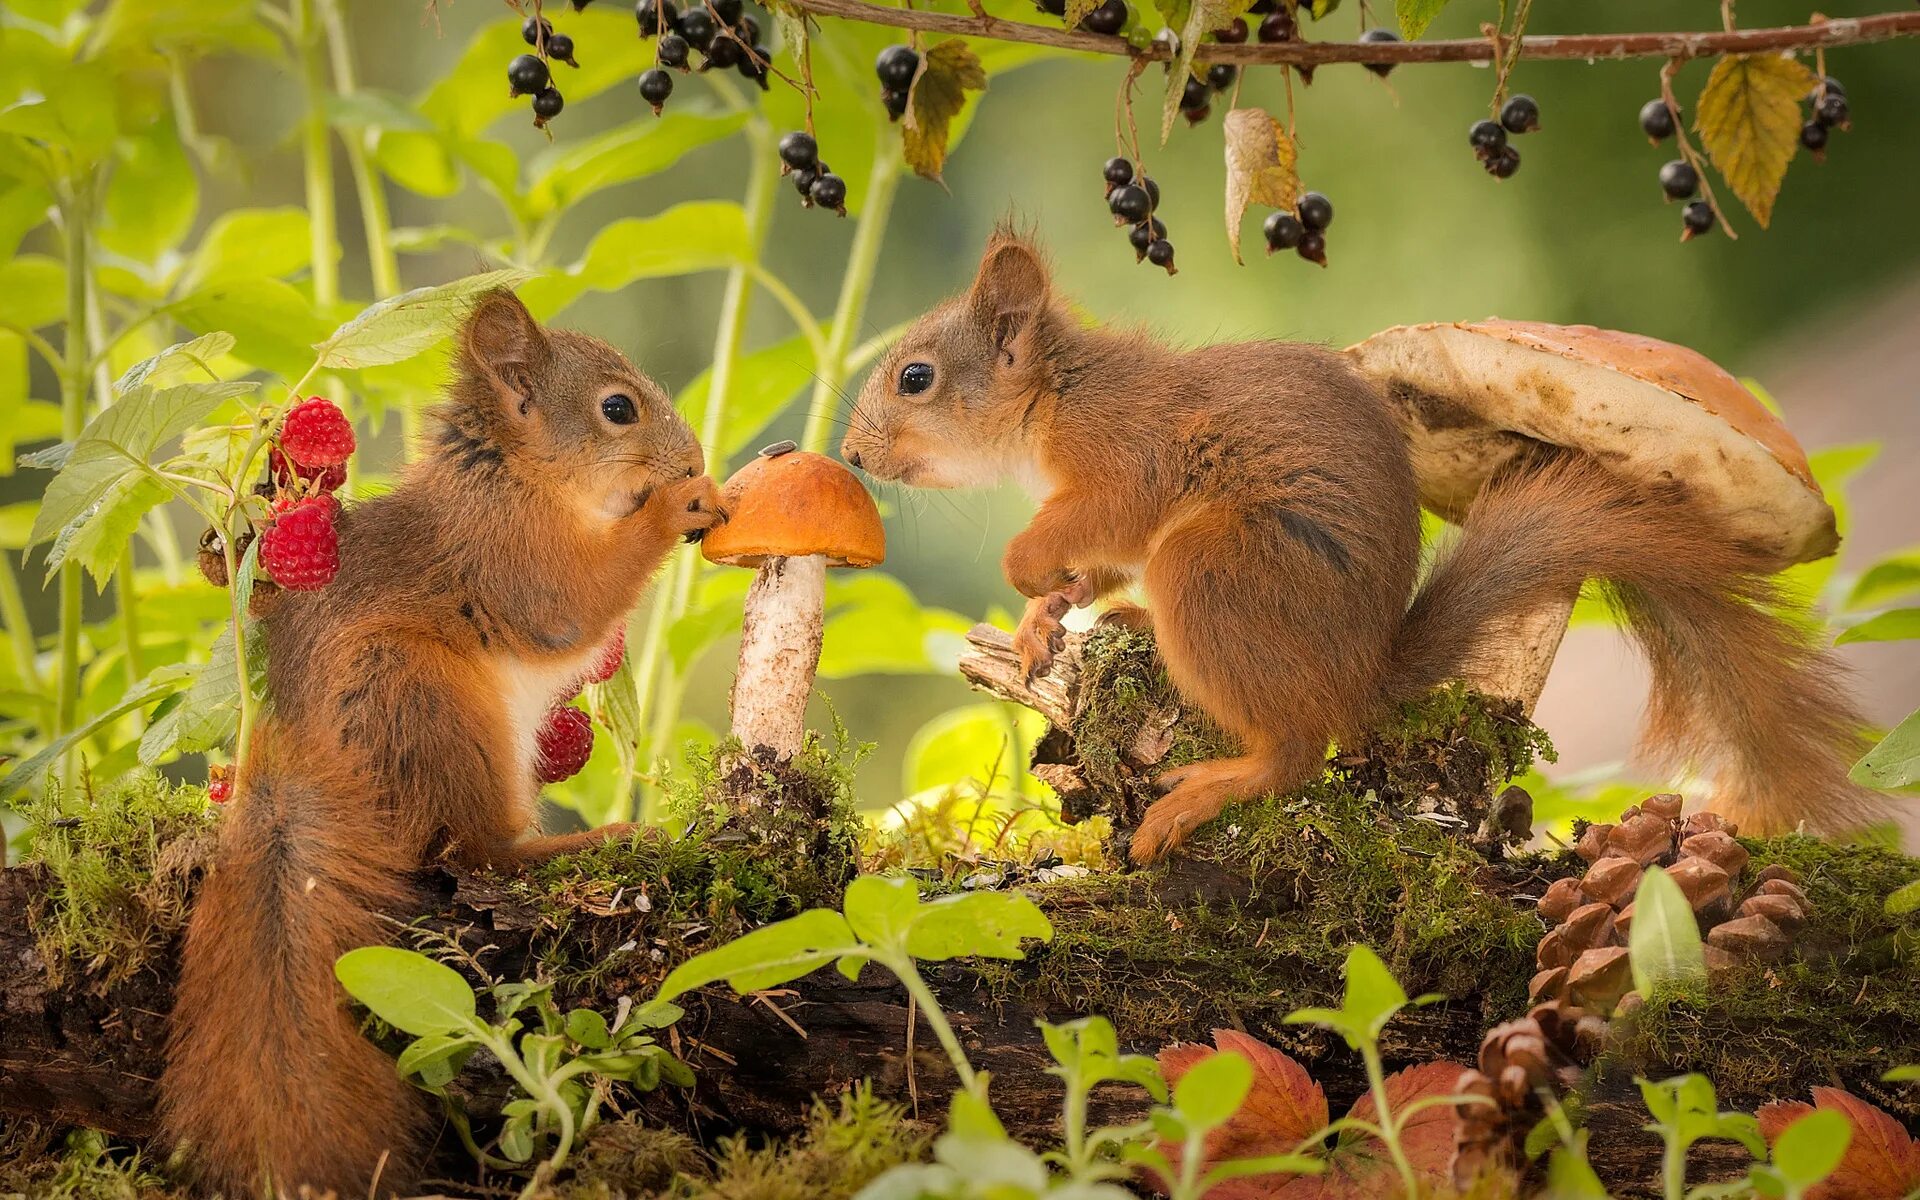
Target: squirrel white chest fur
x=528 y=690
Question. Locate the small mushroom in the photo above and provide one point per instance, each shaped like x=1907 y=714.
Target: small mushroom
x=1643 y=837
x=1590 y=927
x=1707 y=822
x=1612 y=880
x=1778 y=871
x=1700 y=881
x=1666 y=804
x=1473 y=396
x=1550 y=984
x=1561 y=897
x=1750 y=937
x=1592 y=845
x=1719 y=849
x=1784 y=911
x=792 y=515
x=1781 y=887
x=1600 y=977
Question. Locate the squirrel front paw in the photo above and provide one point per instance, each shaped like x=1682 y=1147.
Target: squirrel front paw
x=691 y=507
x=1041 y=635
x=1031 y=572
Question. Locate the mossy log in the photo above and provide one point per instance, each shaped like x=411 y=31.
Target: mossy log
x=1248 y=923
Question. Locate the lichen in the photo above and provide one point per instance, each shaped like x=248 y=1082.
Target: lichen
x=120 y=866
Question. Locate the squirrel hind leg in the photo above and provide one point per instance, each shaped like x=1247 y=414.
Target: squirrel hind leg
x=1198 y=792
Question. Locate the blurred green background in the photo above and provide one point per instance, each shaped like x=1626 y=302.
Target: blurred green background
x=1828 y=298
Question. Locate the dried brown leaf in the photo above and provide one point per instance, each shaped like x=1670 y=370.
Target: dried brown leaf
x=948 y=71
x=1260 y=167
x=1749 y=121
x=1882 y=1161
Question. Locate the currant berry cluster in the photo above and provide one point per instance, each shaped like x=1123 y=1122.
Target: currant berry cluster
x=1520 y=114
x=896 y=67
x=1276 y=22
x=724 y=34
x=1110 y=18
x=1304 y=230
x=1826 y=111
x=530 y=74
x=1380 y=35
x=818 y=186
x=1196 y=102
x=1679 y=179
x=1132 y=198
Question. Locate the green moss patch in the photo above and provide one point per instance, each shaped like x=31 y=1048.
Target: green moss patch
x=38 y=1162
x=120 y=865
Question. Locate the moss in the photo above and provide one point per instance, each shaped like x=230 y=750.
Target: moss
x=39 y=1164
x=1846 y=1007
x=120 y=867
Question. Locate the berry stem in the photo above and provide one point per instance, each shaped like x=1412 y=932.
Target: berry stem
x=1693 y=157
x=862 y=260
x=76 y=220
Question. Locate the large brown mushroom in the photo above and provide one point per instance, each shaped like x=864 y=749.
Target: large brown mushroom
x=791 y=514
x=1473 y=395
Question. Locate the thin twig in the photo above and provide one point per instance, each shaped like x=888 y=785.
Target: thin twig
x=1694 y=158
x=1689 y=44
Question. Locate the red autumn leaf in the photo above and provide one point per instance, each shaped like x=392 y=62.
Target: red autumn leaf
x=1359 y=1167
x=1882 y=1161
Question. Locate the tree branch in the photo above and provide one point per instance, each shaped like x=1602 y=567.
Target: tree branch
x=1843 y=31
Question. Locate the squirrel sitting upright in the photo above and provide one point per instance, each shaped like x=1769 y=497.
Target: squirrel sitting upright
x=405 y=700
x=1263 y=495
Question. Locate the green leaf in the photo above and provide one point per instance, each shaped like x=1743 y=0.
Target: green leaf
x=1904 y=901
x=962 y=744
x=1570 y=1176
x=1892 y=578
x=1202 y=18
x=151 y=195
x=1212 y=1090
x=588 y=1028
x=1899 y=625
x=880 y=909
x=1416 y=15
x=702 y=235
x=874 y=625
x=516 y=1137
x=159 y=685
x=273 y=324
x=1373 y=995
x=1749 y=122
x=23 y=206
x=567 y=173
x=1905 y=1074
x=208 y=712
x=473 y=95
x=249 y=243
x=977 y=924
x=770 y=955
x=435 y=1050
x=1808 y=1150
x=396 y=329
x=764 y=383
x=1663 y=946
x=35 y=286
x=176 y=361
x=370 y=108
x=407 y=990
x=948 y=71
x=1895 y=761
x=99 y=542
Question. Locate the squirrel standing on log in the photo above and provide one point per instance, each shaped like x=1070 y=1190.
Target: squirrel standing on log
x=1263 y=494
x=405 y=700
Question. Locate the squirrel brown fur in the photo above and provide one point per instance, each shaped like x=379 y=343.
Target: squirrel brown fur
x=1263 y=495
x=404 y=702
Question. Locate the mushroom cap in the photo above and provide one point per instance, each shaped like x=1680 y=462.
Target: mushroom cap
x=793 y=503
x=1472 y=395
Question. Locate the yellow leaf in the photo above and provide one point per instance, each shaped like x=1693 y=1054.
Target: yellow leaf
x=948 y=71
x=1077 y=11
x=1260 y=167
x=1749 y=122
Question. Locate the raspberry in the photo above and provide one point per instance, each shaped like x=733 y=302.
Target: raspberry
x=610 y=657
x=219 y=785
x=316 y=433
x=321 y=479
x=564 y=743
x=301 y=548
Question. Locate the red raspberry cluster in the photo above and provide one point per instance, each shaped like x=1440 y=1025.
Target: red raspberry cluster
x=564 y=744
x=301 y=545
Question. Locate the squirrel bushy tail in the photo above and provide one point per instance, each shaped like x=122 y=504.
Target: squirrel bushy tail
x=1742 y=692
x=268 y=1078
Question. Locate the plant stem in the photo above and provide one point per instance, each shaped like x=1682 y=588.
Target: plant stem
x=930 y=1008
x=13 y=610
x=862 y=259
x=1389 y=1120
x=126 y=590
x=76 y=218
x=1673 y=1167
x=317 y=153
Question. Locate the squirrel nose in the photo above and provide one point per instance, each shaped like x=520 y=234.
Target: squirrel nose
x=853 y=458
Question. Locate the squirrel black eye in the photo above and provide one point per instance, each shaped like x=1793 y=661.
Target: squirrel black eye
x=915 y=378
x=619 y=409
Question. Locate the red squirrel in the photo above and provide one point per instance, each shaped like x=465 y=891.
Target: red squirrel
x=404 y=702
x=1262 y=494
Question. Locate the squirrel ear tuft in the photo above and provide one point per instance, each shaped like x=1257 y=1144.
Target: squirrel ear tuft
x=1011 y=288
x=503 y=347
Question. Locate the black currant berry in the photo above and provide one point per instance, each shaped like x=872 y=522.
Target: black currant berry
x=1220 y=76
x=1679 y=180
x=1813 y=135
x=803 y=183
x=1486 y=137
x=799 y=151
x=1153 y=192
x=1131 y=204
x=1313 y=247
x=655 y=86
x=830 y=191
x=1828 y=85
x=1109 y=18
x=546 y=106
x=1056 y=8
x=1697 y=218
x=1118 y=172
x=1316 y=211
x=1832 y=110
x=581 y=5
x=753 y=65
x=1380 y=35
x=698 y=28
x=1196 y=116
x=526 y=74
x=672 y=51
x=1233 y=34
x=748 y=29
x=727 y=10
x=560 y=46
x=896 y=66
x=1145 y=234
x=724 y=53
x=654 y=15
x=1276 y=26
x=1283 y=231
x=1194 y=95
x=1656 y=119
x=894 y=100
x=1520 y=114
x=1502 y=163
x=1160 y=254
x=534 y=28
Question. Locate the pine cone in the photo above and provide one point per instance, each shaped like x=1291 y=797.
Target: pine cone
x=1521 y=1065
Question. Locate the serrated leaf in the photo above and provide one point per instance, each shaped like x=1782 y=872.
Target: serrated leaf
x=206 y=714
x=1749 y=120
x=1260 y=167
x=948 y=71
x=1416 y=15
x=1877 y=1158
x=176 y=360
x=396 y=329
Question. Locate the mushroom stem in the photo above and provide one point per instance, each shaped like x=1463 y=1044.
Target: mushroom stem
x=1521 y=649
x=779 y=650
